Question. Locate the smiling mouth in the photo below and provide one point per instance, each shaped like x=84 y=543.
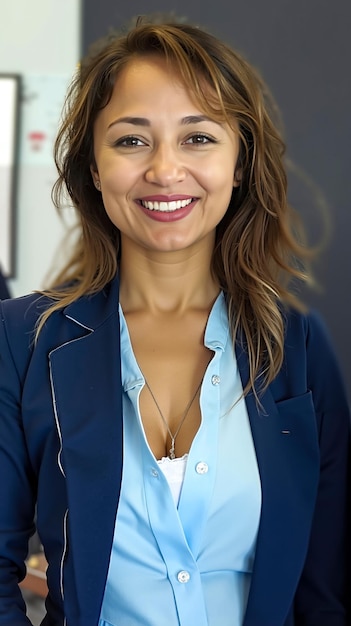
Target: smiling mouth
x=166 y=207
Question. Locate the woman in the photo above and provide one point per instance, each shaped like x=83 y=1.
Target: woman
x=179 y=423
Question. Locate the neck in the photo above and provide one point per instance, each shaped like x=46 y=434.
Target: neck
x=166 y=282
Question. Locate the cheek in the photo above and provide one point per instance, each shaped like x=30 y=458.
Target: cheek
x=219 y=179
x=219 y=169
x=114 y=173
x=114 y=178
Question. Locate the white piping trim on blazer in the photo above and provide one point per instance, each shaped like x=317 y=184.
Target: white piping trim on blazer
x=59 y=454
x=73 y=319
x=64 y=552
x=54 y=396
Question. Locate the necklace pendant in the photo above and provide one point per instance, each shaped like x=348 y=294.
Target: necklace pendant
x=171 y=454
x=171 y=451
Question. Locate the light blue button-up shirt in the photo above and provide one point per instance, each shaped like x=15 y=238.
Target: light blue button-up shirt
x=188 y=565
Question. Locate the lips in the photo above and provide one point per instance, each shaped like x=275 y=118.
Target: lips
x=166 y=207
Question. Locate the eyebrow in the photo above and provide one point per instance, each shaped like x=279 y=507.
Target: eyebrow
x=143 y=121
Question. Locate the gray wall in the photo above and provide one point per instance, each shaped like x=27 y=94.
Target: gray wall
x=303 y=50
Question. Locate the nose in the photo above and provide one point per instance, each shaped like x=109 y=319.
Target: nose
x=165 y=167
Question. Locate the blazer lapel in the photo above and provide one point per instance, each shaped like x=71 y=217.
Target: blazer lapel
x=88 y=403
x=288 y=459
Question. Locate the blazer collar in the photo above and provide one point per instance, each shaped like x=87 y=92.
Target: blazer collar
x=92 y=311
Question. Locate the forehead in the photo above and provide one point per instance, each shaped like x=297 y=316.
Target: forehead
x=144 y=76
x=149 y=73
x=144 y=69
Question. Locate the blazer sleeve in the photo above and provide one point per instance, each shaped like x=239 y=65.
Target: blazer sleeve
x=17 y=488
x=325 y=585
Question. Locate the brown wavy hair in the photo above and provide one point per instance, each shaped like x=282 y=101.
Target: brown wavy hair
x=259 y=254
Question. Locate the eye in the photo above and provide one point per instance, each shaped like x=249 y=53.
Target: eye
x=129 y=142
x=199 y=139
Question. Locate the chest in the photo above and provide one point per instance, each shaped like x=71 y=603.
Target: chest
x=172 y=357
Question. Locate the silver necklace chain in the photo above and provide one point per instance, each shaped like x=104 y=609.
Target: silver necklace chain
x=173 y=437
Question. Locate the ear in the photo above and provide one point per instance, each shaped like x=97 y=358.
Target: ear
x=95 y=177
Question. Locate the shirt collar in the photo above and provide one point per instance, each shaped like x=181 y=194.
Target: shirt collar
x=216 y=337
x=217 y=328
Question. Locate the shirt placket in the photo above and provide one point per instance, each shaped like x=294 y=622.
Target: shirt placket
x=178 y=533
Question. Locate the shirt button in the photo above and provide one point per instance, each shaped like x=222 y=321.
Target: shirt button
x=215 y=380
x=183 y=576
x=154 y=473
x=201 y=468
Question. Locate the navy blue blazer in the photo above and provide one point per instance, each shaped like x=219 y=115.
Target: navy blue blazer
x=61 y=451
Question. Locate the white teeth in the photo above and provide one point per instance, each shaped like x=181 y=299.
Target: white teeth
x=166 y=206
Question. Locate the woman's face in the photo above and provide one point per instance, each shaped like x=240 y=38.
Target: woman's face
x=165 y=168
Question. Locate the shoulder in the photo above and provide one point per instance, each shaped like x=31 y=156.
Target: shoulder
x=306 y=331
x=310 y=353
x=20 y=315
x=23 y=312
x=18 y=319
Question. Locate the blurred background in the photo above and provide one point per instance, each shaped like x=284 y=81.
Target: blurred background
x=302 y=48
